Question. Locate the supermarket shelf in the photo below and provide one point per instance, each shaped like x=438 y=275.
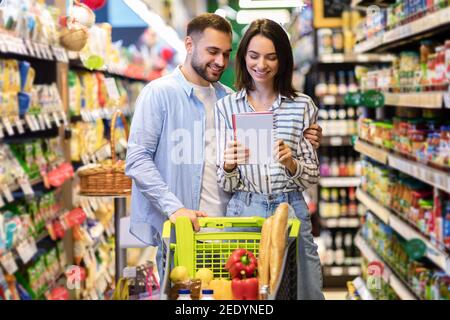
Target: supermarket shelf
x=361 y=288
x=389 y=276
x=428 y=100
x=12 y=45
x=108 y=70
x=371 y=151
x=373 y=205
x=331 y=100
x=16 y=187
x=336 y=141
x=342 y=222
x=39 y=126
x=340 y=182
x=331 y=271
x=437 y=178
x=94 y=115
x=355 y=58
x=413 y=31
x=404 y=229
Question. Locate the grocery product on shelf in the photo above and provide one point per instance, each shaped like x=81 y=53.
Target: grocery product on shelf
x=425 y=280
x=422 y=70
x=411 y=199
x=338 y=202
x=340 y=249
x=335 y=83
x=343 y=163
x=420 y=135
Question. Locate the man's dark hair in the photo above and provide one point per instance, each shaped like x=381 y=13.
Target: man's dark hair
x=208 y=20
x=274 y=32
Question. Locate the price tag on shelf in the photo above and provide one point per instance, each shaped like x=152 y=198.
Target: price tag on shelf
x=8 y=263
x=41 y=121
x=30 y=48
x=7 y=193
x=57 y=120
x=111 y=88
x=447 y=99
x=30 y=122
x=26 y=187
x=64 y=118
x=19 y=126
x=8 y=126
x=37 y=50
x=336 y=271
x=336 y=141
x=26 y=250
x=47 y=120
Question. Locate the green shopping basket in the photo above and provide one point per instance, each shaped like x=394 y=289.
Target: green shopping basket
x=212 y=249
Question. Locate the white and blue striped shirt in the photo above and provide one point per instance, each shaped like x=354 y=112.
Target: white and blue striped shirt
x=291 y=118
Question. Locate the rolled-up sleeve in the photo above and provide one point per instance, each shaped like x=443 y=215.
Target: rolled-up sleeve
x=145 y=133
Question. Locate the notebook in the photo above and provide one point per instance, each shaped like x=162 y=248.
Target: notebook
x=254 y=130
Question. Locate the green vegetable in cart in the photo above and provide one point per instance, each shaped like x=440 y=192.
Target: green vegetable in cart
x=179 y=274
x=241 y=260
x=245 y=289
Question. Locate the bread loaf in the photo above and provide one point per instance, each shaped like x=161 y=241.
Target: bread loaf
x=264 y=253
x=277 y=243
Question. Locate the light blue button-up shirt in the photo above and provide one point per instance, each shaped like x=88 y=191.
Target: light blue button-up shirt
x=165 y=153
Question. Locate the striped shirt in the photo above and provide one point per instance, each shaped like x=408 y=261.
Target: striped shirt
x=291 y=117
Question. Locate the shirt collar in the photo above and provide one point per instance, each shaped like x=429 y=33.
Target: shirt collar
x=187 y=86
x=243 y=94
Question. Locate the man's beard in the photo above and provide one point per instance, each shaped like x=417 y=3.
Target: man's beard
x=201 y=70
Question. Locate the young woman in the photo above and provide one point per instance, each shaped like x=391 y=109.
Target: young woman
x=264 y=67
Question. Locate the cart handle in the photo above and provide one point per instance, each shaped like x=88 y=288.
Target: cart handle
x=227 y=222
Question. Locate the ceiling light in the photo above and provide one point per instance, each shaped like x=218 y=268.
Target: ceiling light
x=270 y=4
x=248 y=16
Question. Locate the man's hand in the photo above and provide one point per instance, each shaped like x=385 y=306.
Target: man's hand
x=283 y=154
x=234 y=154
x=314 y=135
x=191 y=214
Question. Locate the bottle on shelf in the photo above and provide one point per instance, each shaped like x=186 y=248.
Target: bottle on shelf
x=334 y=166
x=342 y=85
x=339 y=253
x=325 y=164
x=343 y=202
x=342 y=120
x=343 y=168
x=332 y=86
x=334 y=203
x=321 y=87
x=348 y=244
x=352 y=203
x=352 y=86
x=324 y=205
x=329 y=252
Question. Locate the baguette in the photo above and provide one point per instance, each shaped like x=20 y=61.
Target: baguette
x=278 y=243
x=264 y=253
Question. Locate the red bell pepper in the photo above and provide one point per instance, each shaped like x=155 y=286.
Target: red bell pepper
x=245 y=289
x=241 y=260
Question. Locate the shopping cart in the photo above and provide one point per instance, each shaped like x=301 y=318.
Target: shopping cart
x=212 y=249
